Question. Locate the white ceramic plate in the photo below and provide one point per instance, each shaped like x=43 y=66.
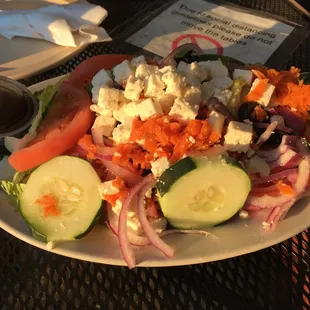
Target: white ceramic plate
x=235 y=237
x=22 y=57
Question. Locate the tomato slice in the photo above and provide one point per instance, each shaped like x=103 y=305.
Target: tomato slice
x=67 y=121
x=84 y=72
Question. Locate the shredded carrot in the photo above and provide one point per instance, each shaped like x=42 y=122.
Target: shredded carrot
x=257 y=92
x=259 y=113
x=49 y=204
x=285 y=188
x=163 y=136
x=120 y=195
x=86 y=143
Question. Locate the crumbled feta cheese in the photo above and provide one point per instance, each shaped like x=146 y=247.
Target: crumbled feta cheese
x=127 y=111
x=107 y=101
x=167 y=69
x=101 y=79
x=122 y=99
x=143 y=71
x=216 y=121
x=121 y=133
x=140 y=141
x=257 y=164
x=50 y=245
x=191 y=139
x=122 y=72
x=107 y=188
x=117 y=154
x=184 y=110
x=244 y=214
x=138 y=61
x=118 y=207
x=265 y=224
x=214 y=68
x=238 y=137
x=106 y=123
x=192 y=81
x=245 y=74
x=222 y=82
x=148 y=108
x=148 y=194
x=208 y=90
x=223 y=96
x=154 y=86
x=265 y=98
x=165 y=101
x=182 y=67
x=194 y=70
x=175 y=83
x=193 y=95
x=134 y=88
x=159 y=166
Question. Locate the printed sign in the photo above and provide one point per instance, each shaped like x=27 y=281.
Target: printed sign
x=216 y=29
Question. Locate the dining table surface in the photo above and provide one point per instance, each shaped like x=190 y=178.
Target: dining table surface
x=273 y=278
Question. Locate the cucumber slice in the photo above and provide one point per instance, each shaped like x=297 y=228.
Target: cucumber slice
x=74 y=184
x=196 y=193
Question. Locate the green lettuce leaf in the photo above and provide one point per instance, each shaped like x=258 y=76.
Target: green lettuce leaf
x=14 y=190
x=234 y=102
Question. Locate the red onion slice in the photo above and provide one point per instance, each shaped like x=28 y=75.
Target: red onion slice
x=289 y=159
x=303 y=176
x=148 y=230
x=267 y=201
x=251 y=208
x=272 y=155
x=267 y=133
x=124 y=243
x=295 y=122
x=263 y=190
x=290 y=174
x=125 y=174
x=97 y=135
x=278 y=127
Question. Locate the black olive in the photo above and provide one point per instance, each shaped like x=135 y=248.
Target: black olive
x=246 y=109
x=275 y=138
x=189 y=57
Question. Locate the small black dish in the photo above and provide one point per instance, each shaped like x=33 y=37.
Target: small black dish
x=18 y=107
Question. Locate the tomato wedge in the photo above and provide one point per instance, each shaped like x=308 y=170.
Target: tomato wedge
x=69 y=117
x=85 y=71
x=67 y=121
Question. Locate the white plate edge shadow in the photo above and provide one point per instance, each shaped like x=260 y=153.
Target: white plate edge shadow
x=241 y=236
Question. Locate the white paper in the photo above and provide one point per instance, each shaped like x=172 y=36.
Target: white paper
x=216 y=29
x=68 y=25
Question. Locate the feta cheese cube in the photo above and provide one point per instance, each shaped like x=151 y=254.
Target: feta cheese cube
x=129 y=110
x=184 y=110
x=148 y=108
x=214 y=68
x=223 y=96
x=165 y=101
x=159 y=166
x=167 y=69
x=238 y=137
x=121 y=133
x=222 y=82
x=193 y=95
x=122 y=72
x=216 y=121
x=175 y=83
x=208 y=90
x=107 y=101
x=122 y=99
x=107 y=188
x=106 y=124
x=134 y=88
x=143 y=71
x=265 y=98
x=154 y=86
x=101 y=79
x=182 y=67
x=245 y=74
x=194 y=70
x=138 y=61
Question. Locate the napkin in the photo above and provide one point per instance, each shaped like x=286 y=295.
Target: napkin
x=67 y=25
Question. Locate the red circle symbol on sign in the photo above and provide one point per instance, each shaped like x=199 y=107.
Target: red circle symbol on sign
x=193 y=38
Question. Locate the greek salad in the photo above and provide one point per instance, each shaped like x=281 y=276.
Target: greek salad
x=174 y=146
